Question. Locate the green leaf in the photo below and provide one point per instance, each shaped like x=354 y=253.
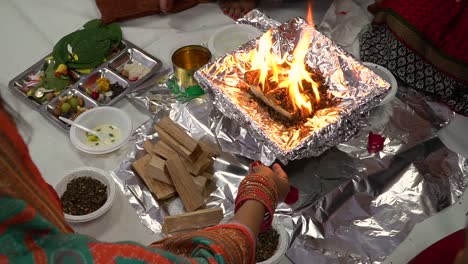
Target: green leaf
x=91 y=44
x=95 y=23
x=51 y=82
x=89 y=51
x=60 y=52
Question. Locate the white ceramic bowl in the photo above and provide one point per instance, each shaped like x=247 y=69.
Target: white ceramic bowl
x=231 y=37
x=97 y=174
x=283 y=243
x=388 y=77
x=98 y=116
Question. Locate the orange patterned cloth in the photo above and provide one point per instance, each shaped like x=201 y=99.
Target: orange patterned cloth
x=20 y=178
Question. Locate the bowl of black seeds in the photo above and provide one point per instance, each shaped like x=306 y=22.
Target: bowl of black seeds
x=272 y=244
x=86 y=194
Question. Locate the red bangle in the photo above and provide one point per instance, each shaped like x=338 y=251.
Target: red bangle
x=263 y=199
x=262 y=189
x=267 y=182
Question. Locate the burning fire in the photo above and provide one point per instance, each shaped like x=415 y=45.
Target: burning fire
x=289 y=75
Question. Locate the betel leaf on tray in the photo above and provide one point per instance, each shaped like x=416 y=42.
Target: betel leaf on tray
x=51 y=82
x=87 y=47
x=94 y=23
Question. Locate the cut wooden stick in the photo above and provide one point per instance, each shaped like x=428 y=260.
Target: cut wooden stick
x=202 y=162
x=200 y=181
x=183 y=182
x=207 y=175
x=210 y=187
x=156 y=169
x=271 y=103
x=177 y=146
x=179 y=134
x=160 y=189
x=163 y=150
x=194 y=220
x=210 y=148
x=148 y=146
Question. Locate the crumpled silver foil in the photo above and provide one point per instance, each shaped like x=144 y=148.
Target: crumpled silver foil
x=357 y=89
x=354 y=207
x=358 y=207
x=259 y=20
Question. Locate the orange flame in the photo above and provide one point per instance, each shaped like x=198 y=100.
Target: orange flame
x=290 y=78
x=310 y=18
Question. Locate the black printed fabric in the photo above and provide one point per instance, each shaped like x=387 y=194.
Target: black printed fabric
x=379 y=46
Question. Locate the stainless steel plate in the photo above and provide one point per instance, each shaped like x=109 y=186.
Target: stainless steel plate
x=19 y=82
x=111 y=76
x=108 y=69
x=49 y=112
x=122 y=47
x=133 y=55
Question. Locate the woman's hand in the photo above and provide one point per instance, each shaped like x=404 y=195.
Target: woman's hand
x=278 y=175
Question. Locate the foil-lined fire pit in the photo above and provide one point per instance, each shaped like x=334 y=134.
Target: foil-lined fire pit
x=294 y=90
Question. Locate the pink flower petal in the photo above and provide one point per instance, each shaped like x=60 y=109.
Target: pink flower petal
x=375 y=143
x=293 y=195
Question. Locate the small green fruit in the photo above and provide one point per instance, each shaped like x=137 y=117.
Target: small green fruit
x=73 y=102
x=65 y=108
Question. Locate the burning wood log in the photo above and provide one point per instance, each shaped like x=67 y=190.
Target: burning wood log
x=253 y=79
x=278 y=98
x=268 y=100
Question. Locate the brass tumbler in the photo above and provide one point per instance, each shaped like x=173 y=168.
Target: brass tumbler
x=186 y=61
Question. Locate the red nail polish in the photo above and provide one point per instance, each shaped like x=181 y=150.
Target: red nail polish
x=255 y=164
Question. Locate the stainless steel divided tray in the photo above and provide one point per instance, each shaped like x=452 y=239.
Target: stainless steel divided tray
x=123 y=71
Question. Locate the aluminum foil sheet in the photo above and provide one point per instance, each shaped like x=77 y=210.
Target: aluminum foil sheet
x=364 y=205
x=259 y=20
x=356 y=88
x=354 y=207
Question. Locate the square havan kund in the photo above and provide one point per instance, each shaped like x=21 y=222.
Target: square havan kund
x=294 y=90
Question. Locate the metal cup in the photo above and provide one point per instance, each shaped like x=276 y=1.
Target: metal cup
x=186 y=61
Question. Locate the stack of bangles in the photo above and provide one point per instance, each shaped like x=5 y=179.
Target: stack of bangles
x=262 y=189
